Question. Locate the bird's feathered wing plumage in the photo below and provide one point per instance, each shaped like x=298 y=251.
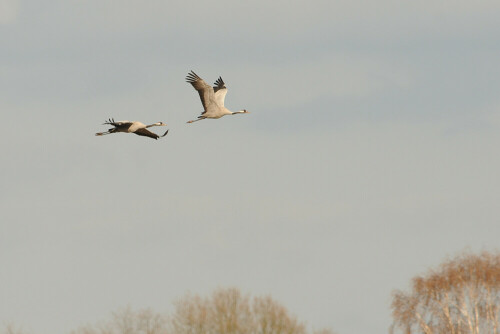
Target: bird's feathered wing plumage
x=120 y=124
x=220 y=92
x=131 y=127
x=212 y=98
x=146 y=133
x=206 y=92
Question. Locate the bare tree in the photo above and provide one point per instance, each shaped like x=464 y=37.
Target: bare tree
x=127 y=321
x=272 y=318
x=461 y=297
x=227 y=311
x=191 y=316
x=230 y=312
x=148 y=322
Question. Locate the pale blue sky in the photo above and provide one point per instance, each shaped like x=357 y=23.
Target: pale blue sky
x=369 y=156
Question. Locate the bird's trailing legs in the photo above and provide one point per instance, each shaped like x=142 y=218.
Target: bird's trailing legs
x=110 y=121
x=199 y=119
x=110 y=131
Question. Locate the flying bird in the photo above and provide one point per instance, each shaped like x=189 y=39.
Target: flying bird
x=132 y=127
x=212 y=98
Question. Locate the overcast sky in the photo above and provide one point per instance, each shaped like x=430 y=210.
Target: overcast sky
x=370 y=155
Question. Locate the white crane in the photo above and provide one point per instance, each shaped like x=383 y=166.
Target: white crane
x=211 y=98
x=132 y=127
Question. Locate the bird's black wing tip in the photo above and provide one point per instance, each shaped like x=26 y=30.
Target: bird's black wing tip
x=192 y=77
x=220 y=83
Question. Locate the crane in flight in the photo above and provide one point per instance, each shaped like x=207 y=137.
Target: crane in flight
x=135 y=127
x=212 y=98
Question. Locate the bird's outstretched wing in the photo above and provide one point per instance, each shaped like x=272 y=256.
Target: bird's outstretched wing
x=219 y=84
x=110 y=121
x=147 y=133
x=205 y=90
x=119 y=124
x=220 y=92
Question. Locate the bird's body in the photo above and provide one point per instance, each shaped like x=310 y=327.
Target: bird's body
x=135 y=127
x=212 y=98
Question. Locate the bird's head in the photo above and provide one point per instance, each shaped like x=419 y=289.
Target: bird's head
x=160 y=124
x=244 y=111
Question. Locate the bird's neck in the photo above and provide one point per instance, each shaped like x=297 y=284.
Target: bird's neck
x=238 y=112
x=151 y=125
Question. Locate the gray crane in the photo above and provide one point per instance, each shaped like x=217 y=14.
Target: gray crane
x=212 y=98
x=132 y=127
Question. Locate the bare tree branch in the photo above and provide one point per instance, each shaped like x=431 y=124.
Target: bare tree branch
x=461 y=297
